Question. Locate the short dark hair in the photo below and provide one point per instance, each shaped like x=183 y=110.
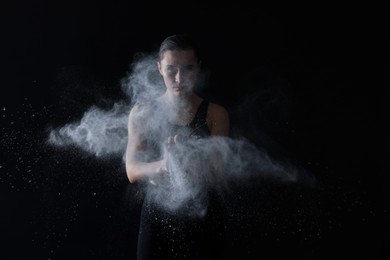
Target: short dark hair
x=179 y=42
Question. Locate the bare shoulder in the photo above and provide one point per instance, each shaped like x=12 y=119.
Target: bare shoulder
x=216 y=110
x=137 y=108
x=218 y=119
x=140 y=110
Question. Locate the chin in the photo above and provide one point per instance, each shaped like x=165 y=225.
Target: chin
x=182 y=92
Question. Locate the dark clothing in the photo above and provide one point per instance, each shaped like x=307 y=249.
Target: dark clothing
x=180 y=234
x=198 y=127
x=164 y=235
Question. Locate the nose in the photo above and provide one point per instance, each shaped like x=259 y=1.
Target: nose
x=178 y=76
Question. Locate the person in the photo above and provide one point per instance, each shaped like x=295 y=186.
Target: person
x=158 y=130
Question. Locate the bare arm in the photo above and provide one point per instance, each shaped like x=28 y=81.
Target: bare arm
x=218 y=120
x=136 y=169
x=219 y=124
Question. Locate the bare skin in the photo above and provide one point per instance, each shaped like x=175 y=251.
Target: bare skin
x=179 y=103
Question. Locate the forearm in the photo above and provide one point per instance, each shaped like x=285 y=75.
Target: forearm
x=139 y=170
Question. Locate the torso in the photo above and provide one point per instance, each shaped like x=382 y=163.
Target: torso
x=181 y=112
x=159 y=126
x=198 y=125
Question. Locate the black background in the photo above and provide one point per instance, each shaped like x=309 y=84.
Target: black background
x=314 y=73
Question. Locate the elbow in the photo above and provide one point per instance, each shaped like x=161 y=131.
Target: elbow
x=131 y=174
x=131 y=179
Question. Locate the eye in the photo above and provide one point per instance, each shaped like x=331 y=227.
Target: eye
x=189 y=68
x=171 y=69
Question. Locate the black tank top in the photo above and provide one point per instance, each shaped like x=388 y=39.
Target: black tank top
x=198 y=126
x=157 y=130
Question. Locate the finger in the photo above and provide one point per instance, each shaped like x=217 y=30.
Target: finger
x=169 y=142
x=177 y=138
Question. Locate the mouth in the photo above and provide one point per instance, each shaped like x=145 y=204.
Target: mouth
x=179 y=88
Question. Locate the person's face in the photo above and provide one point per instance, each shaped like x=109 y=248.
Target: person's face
x=179 y=70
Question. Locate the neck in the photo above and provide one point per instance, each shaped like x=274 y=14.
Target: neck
x=179 y=110
x=182 y=102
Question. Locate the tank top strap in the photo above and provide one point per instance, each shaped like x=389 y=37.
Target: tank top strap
x=201 y=114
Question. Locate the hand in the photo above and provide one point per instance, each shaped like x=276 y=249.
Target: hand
x=163 y=165
x=171 y=141
x=169 y=150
